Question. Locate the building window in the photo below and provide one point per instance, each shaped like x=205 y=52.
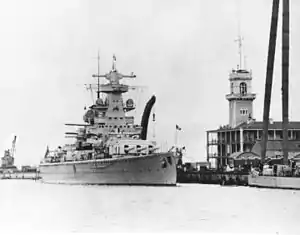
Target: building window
x=243 y=88
x=231 y=88
x=244 y=112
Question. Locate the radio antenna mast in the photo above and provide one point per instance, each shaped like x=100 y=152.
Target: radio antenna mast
x=98 y=89
x=240 y=39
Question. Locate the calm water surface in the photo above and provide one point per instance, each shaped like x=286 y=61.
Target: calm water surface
x=33 y=206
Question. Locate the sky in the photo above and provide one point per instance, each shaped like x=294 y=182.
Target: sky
x=183 y=51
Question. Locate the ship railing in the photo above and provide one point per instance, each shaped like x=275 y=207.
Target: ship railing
x=249 y=139
x=124 y=133
x=214 y=155
x=240 y=96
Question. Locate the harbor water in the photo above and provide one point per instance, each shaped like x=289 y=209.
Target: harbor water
x=30 y=206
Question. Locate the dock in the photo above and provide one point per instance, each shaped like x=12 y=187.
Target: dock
x=20 y=176
x=213 y=177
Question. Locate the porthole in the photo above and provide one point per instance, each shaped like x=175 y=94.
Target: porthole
x=164 y=163
x=169 y=160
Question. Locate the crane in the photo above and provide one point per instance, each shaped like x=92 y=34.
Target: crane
x=285 y=77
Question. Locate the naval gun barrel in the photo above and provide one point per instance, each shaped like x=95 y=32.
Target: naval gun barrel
x=129 y=149
x=142 y=149
x=71 y=133
x=72 y=124
x=154 y=149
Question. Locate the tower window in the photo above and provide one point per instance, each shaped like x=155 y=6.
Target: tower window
x=231 y=88
x=243 y=88
x=243 y=112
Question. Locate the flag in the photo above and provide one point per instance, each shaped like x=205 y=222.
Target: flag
x=114 y=57
x=153 y=117
x=178 y=128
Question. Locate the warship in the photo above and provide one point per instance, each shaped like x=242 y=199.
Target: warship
x=109 y=148
x=7 y=161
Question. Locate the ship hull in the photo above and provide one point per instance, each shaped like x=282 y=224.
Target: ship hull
x=274 y=182
x=154 y=169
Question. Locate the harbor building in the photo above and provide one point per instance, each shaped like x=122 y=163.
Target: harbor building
x=242 y=136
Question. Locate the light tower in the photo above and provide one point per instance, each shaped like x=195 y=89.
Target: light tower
x=240 y=97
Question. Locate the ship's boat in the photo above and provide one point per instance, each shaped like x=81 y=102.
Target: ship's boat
x=110 y=148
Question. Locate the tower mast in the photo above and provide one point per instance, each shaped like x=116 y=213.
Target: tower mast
x=13 y=148
x=98 y=84
x=239 y=40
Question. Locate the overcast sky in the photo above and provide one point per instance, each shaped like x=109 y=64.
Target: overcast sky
x=182 y=51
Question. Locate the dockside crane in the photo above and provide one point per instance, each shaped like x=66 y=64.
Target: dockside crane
x=285 y=77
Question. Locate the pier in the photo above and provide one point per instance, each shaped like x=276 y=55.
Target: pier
x=20 y=176
x=213 y=177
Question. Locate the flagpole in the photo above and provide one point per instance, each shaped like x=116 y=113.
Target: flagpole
x=176 y=136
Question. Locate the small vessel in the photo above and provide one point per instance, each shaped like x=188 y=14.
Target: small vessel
x=276 y=174
x=278 y=182
x=110 y=148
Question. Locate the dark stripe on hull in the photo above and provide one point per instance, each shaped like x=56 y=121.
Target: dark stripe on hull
x=138 y=170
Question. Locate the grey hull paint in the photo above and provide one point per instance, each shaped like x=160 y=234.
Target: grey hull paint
x=274 y=182
x=131 y=170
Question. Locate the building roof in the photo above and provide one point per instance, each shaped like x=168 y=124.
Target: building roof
x=235 y=155
x=276 y=145
x=272 y=125
x=258 y=125
x=244 y=155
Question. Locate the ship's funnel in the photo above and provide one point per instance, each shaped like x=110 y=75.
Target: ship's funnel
x=145 y=118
